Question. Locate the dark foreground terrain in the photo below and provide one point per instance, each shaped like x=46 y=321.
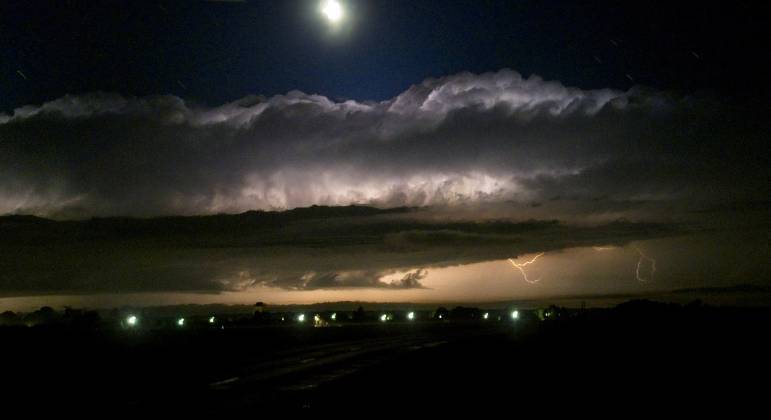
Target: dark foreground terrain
x=639 y=356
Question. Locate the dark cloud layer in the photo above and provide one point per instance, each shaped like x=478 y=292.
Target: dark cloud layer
x=303 y=249
x=460 y=140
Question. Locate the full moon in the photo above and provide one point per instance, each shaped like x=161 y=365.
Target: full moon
x=332 y=10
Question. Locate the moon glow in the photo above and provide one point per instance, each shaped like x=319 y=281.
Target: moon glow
x=333 y=10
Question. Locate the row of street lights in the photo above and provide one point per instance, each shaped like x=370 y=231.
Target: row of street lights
x=132 y=321
x=385 y=317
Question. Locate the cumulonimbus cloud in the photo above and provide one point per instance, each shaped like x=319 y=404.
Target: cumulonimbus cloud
x=461 y=139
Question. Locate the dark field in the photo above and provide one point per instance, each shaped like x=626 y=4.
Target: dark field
x=638 y=354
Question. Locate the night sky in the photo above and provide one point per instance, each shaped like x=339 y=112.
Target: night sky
x=620 y=147
x=216 y=52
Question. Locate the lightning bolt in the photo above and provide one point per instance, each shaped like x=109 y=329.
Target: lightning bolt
x=521 y=268
x=640 y=261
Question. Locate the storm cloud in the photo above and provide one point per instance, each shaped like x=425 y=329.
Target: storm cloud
x=461 y=140
x=304 y=249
